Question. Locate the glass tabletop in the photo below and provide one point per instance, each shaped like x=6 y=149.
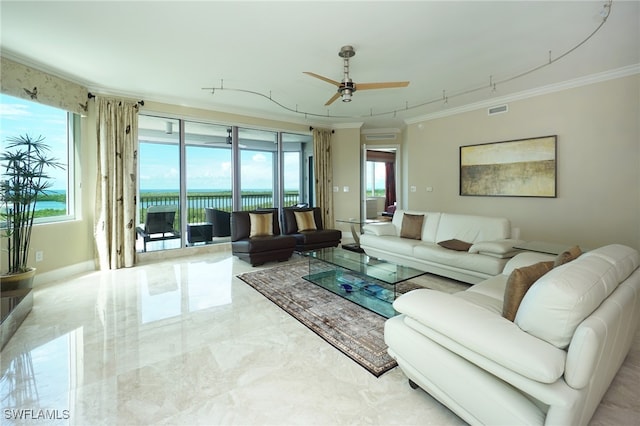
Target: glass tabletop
x=361 y=263
x=356 y=221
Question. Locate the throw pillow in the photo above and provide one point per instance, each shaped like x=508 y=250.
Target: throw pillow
x=454 y=244
x=412 y=226
x=261 y=224
x=567 y=256
x=518 y=284
x=305 y=221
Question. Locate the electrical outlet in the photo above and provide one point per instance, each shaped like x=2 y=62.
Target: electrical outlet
x=39 y=256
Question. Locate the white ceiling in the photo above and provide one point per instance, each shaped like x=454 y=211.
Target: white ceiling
x=168 y=51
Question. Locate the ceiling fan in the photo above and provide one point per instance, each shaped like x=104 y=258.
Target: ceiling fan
x=347 y=87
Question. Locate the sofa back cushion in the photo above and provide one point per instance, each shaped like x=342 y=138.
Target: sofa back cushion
x=472 y=228
x=519 y=283
x=558 y=302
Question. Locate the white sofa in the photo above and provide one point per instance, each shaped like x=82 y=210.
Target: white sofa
x=551 y=365
x=491 y=238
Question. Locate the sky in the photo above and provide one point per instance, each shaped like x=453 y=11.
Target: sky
x=210 y=168
x=19 y=117
x=207 y=168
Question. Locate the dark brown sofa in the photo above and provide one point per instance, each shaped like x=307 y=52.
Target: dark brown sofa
x=259 y=250
x=311 y=239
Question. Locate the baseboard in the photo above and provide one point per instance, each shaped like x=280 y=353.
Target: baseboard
x=63 y=273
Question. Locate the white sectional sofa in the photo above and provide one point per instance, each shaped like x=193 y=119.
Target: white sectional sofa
x=491 y=239
x=550 y=366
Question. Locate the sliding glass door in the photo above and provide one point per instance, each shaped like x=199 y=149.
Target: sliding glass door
x=208 y=182
x=258 y=176
x=206 y=171
x=159 y=207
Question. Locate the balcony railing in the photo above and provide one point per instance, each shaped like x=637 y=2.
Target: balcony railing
x=197 y=203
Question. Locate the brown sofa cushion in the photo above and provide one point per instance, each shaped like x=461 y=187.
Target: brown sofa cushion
x=305 y=221
x=568 y=255
x=519 y=282
x=454 y=244
x=412 y=226
x=261 y=224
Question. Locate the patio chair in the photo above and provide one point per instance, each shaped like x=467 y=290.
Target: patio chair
x=220 y=221
x=158 y=225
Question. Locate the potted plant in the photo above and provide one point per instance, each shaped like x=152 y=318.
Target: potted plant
x=25 y=164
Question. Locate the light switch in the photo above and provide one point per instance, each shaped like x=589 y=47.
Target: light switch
x=345 y=189
x=413 y=188
x=336 y=189
x=429 y=188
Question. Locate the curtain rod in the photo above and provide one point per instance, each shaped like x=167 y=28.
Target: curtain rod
x=91 y=96
x=311 y=129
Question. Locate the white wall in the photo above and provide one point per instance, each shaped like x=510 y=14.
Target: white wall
x=598 y=162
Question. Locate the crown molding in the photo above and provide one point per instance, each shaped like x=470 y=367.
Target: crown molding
x=355 y=125
x=543 y=90
x=381 y=131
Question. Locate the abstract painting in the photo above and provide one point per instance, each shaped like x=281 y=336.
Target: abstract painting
x=518 y=168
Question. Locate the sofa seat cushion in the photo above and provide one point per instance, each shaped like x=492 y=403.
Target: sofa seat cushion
x=269 y=243
x=395 y=245
x=488 y=294
x=479 y=335
x=474 y=262
x=318 y=236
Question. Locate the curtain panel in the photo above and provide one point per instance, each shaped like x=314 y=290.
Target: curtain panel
x=116 y=189
x=323 y=171
x=389 y=185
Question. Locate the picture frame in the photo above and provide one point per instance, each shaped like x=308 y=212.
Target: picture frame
x=515 y=168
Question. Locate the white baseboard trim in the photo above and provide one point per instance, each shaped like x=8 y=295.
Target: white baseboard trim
x=63 y=273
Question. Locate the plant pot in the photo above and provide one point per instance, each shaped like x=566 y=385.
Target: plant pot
x=17 y=281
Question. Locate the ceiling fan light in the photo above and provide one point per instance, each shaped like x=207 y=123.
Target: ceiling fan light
x=346 y=95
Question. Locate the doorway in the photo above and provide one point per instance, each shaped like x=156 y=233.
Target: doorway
x=380 y=181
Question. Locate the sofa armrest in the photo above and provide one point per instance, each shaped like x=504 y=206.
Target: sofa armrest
x=380 y=229
x=501 y=248
x=482 y=332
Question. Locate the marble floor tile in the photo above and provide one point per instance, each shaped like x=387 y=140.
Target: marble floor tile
x=181 y=341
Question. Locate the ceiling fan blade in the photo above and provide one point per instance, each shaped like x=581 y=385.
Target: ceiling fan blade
x=387 y=85
x=333 y=98
x=328 y=80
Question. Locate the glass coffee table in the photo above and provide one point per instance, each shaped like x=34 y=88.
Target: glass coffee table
x=366 y=281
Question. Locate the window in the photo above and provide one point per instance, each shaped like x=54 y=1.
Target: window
x=376 y=175
x=208 y=170
x=19 y=117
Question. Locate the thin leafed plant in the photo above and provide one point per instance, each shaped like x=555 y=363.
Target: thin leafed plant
x=25 y=163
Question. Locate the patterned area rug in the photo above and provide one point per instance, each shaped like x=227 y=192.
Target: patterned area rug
x=355 y=331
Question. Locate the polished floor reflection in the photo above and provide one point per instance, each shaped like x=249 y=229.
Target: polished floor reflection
x=183 y=341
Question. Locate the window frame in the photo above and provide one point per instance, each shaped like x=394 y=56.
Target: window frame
x=73 y=132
